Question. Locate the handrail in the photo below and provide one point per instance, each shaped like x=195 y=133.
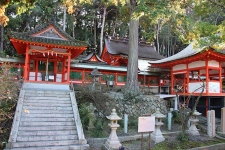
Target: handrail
x=71 y=85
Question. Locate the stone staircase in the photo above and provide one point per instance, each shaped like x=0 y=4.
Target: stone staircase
x=46 y=119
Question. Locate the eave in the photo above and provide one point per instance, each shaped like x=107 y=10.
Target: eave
x=209 y=54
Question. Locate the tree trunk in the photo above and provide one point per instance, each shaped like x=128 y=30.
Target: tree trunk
x=64 y=18
x=2 y=38
x=157 y=36
x=102 y=30
x=132 y=69
x=95 y=37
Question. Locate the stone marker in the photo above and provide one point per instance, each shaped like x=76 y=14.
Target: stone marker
x=222 y=125
x=211 y=123
x=92 y=119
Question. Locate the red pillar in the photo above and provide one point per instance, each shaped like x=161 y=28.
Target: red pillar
x=63 y=70
x=207 y=76
x=172 y=82
x=26 y=63
x=55 y=69
x=68 y=67
x=116 y=78
x=187 y=83
x=83 y=76
x=36 y=69
x=220 y=77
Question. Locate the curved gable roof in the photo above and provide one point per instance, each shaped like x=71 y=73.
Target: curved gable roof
x=188 y=51
x=58 y=37
x=121 y=47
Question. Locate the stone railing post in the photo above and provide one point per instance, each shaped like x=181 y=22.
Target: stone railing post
x=211 y=123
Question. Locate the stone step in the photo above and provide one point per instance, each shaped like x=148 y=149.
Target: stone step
x=58 y=132
x=48 y=101
x=45 y=143
x=47 y=128
x=47 y=119
x=47 y=98
x=48 y=115
x=47 y=94
x=47 y=104
x=69 y=147
x=46 y=108
x=47 y=124
x=45 y=111
x=46 y=138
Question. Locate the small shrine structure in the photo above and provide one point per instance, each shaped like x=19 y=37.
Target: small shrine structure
x=192 y=67
x=48 y=51
x=113 y=63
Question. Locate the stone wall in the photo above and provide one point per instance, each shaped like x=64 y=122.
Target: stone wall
x=142 y=104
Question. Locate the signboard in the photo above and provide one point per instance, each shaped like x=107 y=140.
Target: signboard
x=146 y=124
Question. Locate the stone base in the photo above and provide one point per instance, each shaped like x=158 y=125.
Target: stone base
x=157 y=139
x=112 y=145
x=193 y=132
x=222 y=133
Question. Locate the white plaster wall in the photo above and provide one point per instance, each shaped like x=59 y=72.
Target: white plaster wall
x=213 y=63
x=143 y=64
x=196 y=64
x=179 y=67
x=214 y=87
x=214 y=72
x=194 y=86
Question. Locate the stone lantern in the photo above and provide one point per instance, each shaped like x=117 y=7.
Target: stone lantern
x=157 y=134
x=193 y=120
x=95 y=74
x=113 y=141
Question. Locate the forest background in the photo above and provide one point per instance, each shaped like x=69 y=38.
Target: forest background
x=168 y=24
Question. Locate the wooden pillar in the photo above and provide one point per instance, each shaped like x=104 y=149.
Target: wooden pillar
x=26 y=64
x=68 y=67
x=188 y=80
x=116 y=79
x=55 y=69
x=220 y=77
x=36 y=69
x=207 y=76
x=63 y=70
x=172 y=82
x=83 y=77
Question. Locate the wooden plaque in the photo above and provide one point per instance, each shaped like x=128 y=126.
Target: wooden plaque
x=146 y=124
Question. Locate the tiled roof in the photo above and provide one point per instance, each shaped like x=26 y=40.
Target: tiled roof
x=188 y=51
x=121 y=47
x=88 y=57
x=95 y=72
x=27 y=36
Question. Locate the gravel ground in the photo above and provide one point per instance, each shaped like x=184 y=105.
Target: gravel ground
x=170 y=136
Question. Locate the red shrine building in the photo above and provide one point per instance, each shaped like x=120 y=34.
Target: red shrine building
x=113 y=63
x=192 y=67
x=48 y=51
x=51 y=55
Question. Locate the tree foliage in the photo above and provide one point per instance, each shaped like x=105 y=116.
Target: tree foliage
x=166 y=23
x=9 y=88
